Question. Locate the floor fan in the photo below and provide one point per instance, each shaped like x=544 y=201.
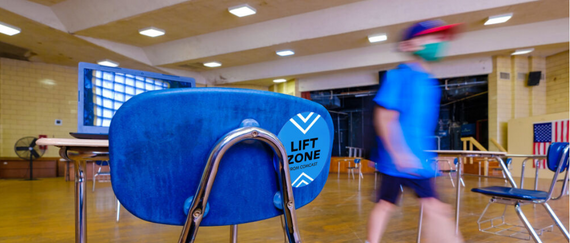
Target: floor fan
x=27 y=149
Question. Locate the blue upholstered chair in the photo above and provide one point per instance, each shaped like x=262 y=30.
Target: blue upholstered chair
x=357 y=166
x=211 y=157
x=557 y=161
x=450 y=169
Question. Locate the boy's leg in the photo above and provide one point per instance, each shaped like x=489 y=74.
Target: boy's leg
x=438 y=225
x=387 y=198
x=378 y=220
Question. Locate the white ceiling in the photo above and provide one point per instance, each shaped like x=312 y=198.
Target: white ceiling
x=327 y=36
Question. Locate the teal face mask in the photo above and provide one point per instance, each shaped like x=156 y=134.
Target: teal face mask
x=432 y=51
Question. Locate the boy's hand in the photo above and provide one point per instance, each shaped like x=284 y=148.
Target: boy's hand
x=407 y=162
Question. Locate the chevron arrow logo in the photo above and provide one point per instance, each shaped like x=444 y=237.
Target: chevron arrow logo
x=305 y=120
x=301 y=180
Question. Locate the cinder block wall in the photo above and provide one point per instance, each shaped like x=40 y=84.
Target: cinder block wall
x=290 y=87
x=510 y=97
x=557 y=90
x=32 y=96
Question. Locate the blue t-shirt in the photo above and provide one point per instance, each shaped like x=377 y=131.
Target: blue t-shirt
x=412 y=92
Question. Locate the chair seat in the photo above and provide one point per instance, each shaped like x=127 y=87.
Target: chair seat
x=510 y=192
x=447 y=171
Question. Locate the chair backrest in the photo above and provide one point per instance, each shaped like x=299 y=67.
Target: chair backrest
x=557 y=162
x=555 y=154
x=159 y=143
x=102 y=163
x=357 y=161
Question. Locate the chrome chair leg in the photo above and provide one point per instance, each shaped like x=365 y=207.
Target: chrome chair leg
x=338 y=170
x=94 y=176
x=375 y=179
x=420 y=223
x=462 y=182
x=557 y=221
x=118 y=210
x=233 y=233
x=527 y=225
x=451 y=178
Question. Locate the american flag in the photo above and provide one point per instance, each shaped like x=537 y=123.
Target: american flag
x=546 y=133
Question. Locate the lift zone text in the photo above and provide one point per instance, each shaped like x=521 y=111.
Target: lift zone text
x=302 y=155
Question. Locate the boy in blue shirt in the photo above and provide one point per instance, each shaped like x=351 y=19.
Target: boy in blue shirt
x=406 y=114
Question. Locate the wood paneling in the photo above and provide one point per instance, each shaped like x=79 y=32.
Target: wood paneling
x=11 y=168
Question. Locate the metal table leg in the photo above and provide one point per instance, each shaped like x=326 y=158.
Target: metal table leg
x=80 y=207
x=458 y=193
x=537 y=163
x=79 y=156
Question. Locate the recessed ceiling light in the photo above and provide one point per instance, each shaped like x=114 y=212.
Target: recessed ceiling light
x=151 y=31
x=377 y=38
x=108 y=63
x=281 y=80
x=9 y=29
x=284 y=53
x=499 y=19
x=212 y=64
x=522 y=51
x=242 y=10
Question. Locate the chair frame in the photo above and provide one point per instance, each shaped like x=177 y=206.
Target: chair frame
x=517 y=203
x=98 y=173
x=198 y=205
x=452 y=169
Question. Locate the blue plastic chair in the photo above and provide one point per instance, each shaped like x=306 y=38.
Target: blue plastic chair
x=557 y=161
x=210 y=157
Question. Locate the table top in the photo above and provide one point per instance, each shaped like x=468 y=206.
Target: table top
x=467 y=152
x=73 y=142
x=525 y=156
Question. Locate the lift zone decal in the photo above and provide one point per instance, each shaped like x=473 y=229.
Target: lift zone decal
x=307 y=140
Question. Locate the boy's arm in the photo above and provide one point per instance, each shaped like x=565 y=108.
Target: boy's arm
x=389 y=129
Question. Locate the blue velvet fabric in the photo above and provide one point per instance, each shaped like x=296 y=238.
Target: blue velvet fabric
x=159 y=143
x=510 y=192
x=555 y=153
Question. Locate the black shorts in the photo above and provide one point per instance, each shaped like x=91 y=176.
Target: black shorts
x=390 y=190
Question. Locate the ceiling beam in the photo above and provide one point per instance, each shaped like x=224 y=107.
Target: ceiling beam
x=34 y=11
x=488 y=40
x=326 y=22
x=369 y=76
x=83 y=14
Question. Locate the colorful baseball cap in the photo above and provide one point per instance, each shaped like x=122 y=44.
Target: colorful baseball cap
x=428 y=27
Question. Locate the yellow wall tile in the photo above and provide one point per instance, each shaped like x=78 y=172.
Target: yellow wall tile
x=29 y=105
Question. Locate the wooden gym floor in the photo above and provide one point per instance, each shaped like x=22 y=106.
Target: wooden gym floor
x=43 y=211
